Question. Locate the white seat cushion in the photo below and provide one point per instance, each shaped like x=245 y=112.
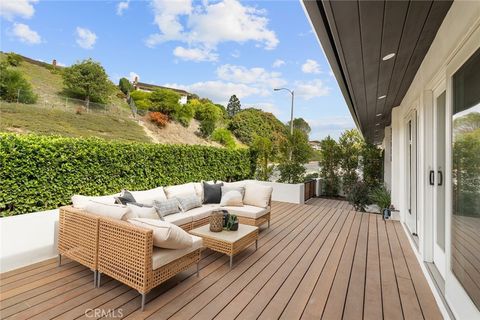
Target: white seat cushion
x=148 y=196
x=165 y=234
x=80 y=202
x=200 y=212
x=161 y=257
x=178 y=218
x=248 y=211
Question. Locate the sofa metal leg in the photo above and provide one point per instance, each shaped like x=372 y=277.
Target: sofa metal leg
x=59 y=259
x=99 y=275
x=143 y=300
x=268 y=223
x=94 y=278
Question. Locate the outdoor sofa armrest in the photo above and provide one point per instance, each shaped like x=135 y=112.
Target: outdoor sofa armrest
x=125 y=253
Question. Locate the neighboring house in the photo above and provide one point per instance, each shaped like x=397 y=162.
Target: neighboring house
x=152 y=87
x=410 y=74
x=315 y=144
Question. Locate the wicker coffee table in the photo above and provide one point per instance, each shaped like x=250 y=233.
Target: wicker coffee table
x=228 y=242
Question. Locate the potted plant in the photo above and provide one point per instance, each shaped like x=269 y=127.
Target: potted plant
x=381 y=197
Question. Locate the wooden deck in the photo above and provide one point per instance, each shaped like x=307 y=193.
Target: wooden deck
x=319 y=260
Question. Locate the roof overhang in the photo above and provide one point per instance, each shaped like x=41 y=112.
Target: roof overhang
x=357 y=36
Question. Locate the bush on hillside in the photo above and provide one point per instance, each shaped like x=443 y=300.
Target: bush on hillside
x=184 y=114
x=248 y=123
x=206 y=128
x=14 y=87
x=43 y=172
x=160 y=119
x=224 y=137
x=206 y=111
x=165 y=101
x=125 y=85
x=14 y=59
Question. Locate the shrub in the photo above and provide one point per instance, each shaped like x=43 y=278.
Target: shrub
x=125 y=85
x=206 y=127
x=14 y=59
x=358 y=196
x=14 y=87
x=311 y=176
x=224 y=137
x=372 y=165
x=248 y=123
x=350 y=144
x=206 y=111
x=184 y=114
x=381 y=197
x=329 y=166
x=158 y=118
x=165 y=101
x=266 y=153
x=43 y=172
x=294 y=153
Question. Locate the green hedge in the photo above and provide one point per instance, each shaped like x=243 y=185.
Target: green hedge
x=40 y=172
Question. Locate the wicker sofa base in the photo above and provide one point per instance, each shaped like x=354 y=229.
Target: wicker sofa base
x=255 y=222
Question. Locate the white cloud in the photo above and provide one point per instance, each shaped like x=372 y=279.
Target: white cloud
x=311 y=66
x=132 y=75
x=265 y=106
x=208 y=24
x=9 y=9
x=122 y=6
x=195 y=54
x=86 y=38
x=311 y=89
x=278 y=63
x=218 y=91
x=23 y=33
x=257 y=76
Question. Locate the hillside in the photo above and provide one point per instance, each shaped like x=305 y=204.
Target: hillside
x=57 y=115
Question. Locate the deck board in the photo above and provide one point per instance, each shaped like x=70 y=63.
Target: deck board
x=318 y=260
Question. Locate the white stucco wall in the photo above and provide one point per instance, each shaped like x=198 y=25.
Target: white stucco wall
x=457 y=38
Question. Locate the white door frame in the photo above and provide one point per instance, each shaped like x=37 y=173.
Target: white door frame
x=411 y=214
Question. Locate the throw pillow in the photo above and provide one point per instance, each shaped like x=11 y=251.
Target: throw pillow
x=114 y=211
x=144 y=211
x=189 y=202
x=167 y=207
x=257 y=195
x=125 y=197
x=165 y=234
x=212 y=193
x=231 y=198
x=228 y=188
x=148 y=196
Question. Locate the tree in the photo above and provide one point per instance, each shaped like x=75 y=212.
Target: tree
x=300 y=124
x=372 y=165
x=88 y=80
x=329 y=165
x=292 y=169
x=14 y=87
x=165 y=101
x=265 y=150
x=125 y=85
x=206 y=127
x=233 y=106
x=350 y=144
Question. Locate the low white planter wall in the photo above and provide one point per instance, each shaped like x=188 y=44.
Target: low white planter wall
x=285 y=192
x=28 y=238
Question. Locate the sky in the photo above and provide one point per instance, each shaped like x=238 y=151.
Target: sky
x=212 y=48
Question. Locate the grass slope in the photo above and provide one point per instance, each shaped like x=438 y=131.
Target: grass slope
x=23 y=118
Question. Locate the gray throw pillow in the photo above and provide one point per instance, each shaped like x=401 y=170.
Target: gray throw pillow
x=226 y=189
x=125 y=197
x=212 y=193
x=189 y=202
x=167 y=207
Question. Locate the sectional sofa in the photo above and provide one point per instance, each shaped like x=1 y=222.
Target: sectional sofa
x=118 y=241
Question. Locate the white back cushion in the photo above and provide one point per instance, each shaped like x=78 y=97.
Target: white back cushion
x=186 y=189
x=79 y=201
x=115 y=211
x=165 y=234
x=144 y=212
x=231 y=198
x=257 y=195
x=148 y=196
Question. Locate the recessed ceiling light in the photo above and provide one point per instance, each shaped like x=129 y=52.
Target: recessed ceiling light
x=388 y=56
x=377 y=124
x=379 y=114
x=381 y=97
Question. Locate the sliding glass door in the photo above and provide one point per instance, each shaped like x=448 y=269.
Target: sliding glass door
x=465 y=244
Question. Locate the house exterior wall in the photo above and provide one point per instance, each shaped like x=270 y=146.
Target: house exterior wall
x=457 y=39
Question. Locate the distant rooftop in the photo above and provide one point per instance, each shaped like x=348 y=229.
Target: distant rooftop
x=152 y=87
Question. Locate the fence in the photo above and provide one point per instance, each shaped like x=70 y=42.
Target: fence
x=310 y=189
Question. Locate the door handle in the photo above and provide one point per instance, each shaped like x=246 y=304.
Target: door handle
x=440 y=175
x=432 y=177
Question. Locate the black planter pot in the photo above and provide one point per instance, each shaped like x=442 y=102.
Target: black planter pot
x=387 y=213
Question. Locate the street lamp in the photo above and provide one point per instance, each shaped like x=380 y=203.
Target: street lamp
x=291 y=110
